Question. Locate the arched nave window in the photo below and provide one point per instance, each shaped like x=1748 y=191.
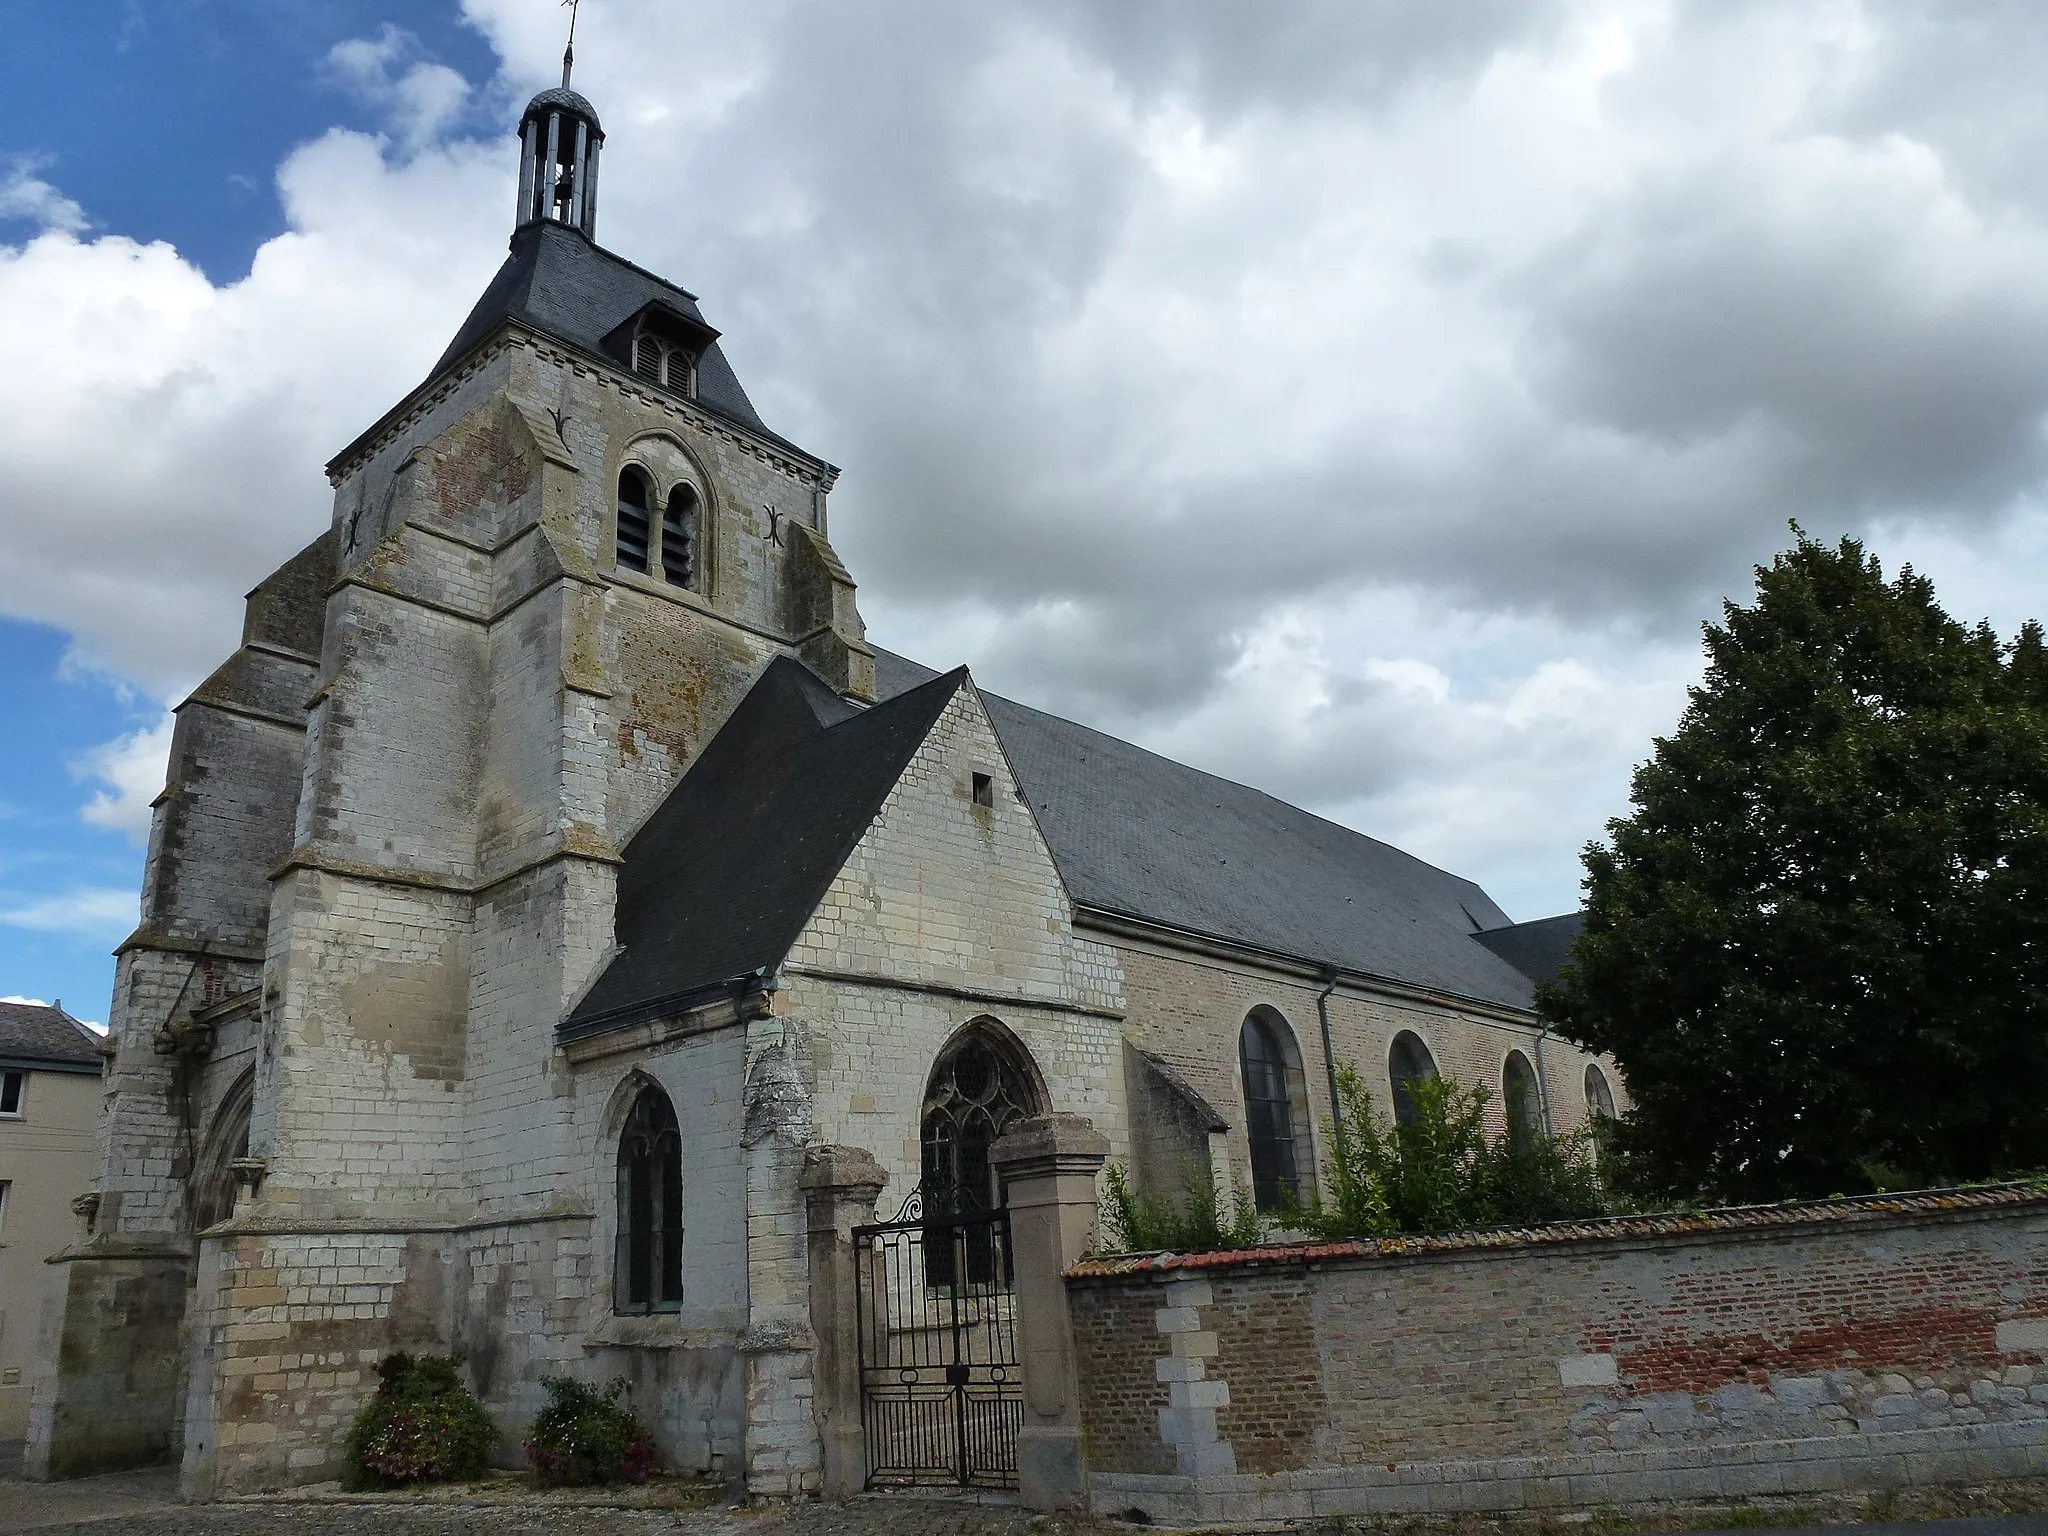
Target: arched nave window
x=647 y=1273
x=1271 y=1065
x=1408 y=1062
x=1599 y=1097
x=1520 y=1098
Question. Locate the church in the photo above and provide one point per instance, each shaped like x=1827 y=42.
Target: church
x=556 y=863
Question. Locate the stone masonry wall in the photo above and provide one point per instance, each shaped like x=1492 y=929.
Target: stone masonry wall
x=1874 y=1341
x=1188 y=1007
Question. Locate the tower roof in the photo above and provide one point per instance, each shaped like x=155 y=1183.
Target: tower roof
x=561 y=98
x=558 y=283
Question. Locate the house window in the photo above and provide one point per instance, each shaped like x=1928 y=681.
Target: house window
x=1409 y=1062
x=647 y=1269
x=12 y=1085
x=679 y=536
x=1520 y=1098
x=1270 y=1064
x=1599 y=1097
x=985 y=790
x=633 y=529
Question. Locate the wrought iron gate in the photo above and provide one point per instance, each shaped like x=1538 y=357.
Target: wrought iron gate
x=941 y=1392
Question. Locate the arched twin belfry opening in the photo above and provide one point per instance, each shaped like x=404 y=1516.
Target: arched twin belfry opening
x=569 y=943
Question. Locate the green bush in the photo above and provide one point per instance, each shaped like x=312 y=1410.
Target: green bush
x=588 y=1436
x=422 y=1426
x=1195 y=1222
x=1440 y=1173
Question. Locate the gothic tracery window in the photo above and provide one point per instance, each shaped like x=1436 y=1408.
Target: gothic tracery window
x=648 y=1261
x=1268 y=1063
x=977 y=1091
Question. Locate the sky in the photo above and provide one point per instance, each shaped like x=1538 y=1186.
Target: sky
x=1362 y=400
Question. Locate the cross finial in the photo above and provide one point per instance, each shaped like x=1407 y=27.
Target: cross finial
x=569 y=53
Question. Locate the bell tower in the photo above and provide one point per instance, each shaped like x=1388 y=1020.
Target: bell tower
x=559 y=140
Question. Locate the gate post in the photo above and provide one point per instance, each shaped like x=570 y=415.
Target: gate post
x=840 y=1188
x=1048 y=1166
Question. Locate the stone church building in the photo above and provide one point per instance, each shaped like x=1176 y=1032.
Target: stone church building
x=556 y=861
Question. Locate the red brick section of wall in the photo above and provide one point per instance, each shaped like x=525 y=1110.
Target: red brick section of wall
x=1115 y=1342
x=1266 y=1339
x=1921 y=1312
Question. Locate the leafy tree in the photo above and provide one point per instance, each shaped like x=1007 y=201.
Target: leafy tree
x=1819 y=945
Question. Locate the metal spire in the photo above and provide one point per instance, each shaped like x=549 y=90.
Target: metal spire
x=569 y=53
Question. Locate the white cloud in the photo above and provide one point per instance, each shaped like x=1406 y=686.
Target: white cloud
x=32 y=1002
x=418 y=98
x=88 y=911
x=1367 y=404
x=26 y=196
x=132 y=767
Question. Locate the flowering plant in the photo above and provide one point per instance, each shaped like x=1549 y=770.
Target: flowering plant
x=588 y=1436
x=421 y=1426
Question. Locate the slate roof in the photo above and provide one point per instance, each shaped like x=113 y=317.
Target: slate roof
x=1141 y=836
x=1537 y=949
x=562 y=285
x=720 y=880
x=36 y=1036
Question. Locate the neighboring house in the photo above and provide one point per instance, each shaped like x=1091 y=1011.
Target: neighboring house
x=555 y=864
x=50 y=1066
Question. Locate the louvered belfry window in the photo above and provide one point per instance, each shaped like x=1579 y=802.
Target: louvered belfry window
x=647 y=352
x=1268 y=1113
x=633 y=521
x=647 y=1271
x=679 y=536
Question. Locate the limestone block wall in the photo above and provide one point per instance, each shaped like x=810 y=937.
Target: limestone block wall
x=1188 y=1007
x=1866 y=1342
x=949 y=911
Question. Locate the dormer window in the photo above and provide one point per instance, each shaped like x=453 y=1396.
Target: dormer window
x=667 y=363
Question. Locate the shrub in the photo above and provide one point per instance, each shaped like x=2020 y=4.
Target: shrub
x=421 y=1426
x=1439 y=1172
x=1139 y=1222
x=588 y=1436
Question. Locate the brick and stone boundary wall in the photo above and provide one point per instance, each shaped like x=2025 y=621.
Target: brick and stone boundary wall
x=1875 y=1342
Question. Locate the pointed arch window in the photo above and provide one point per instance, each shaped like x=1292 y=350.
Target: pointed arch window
x=977 y=1091
x=1408 y=1063
x=679 y=536
x=1599 y=1096
x=1521 y=1099
x=647 y=1269
x=634 y=530
x=1271 y=1067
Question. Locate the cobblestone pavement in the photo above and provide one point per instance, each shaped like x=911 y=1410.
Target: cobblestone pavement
x=146 y=1504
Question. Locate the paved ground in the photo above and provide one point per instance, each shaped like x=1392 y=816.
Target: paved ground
x=146 y=1504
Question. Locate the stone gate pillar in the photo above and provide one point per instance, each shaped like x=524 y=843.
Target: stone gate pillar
x=1048 y=1166
x=840 y=1188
